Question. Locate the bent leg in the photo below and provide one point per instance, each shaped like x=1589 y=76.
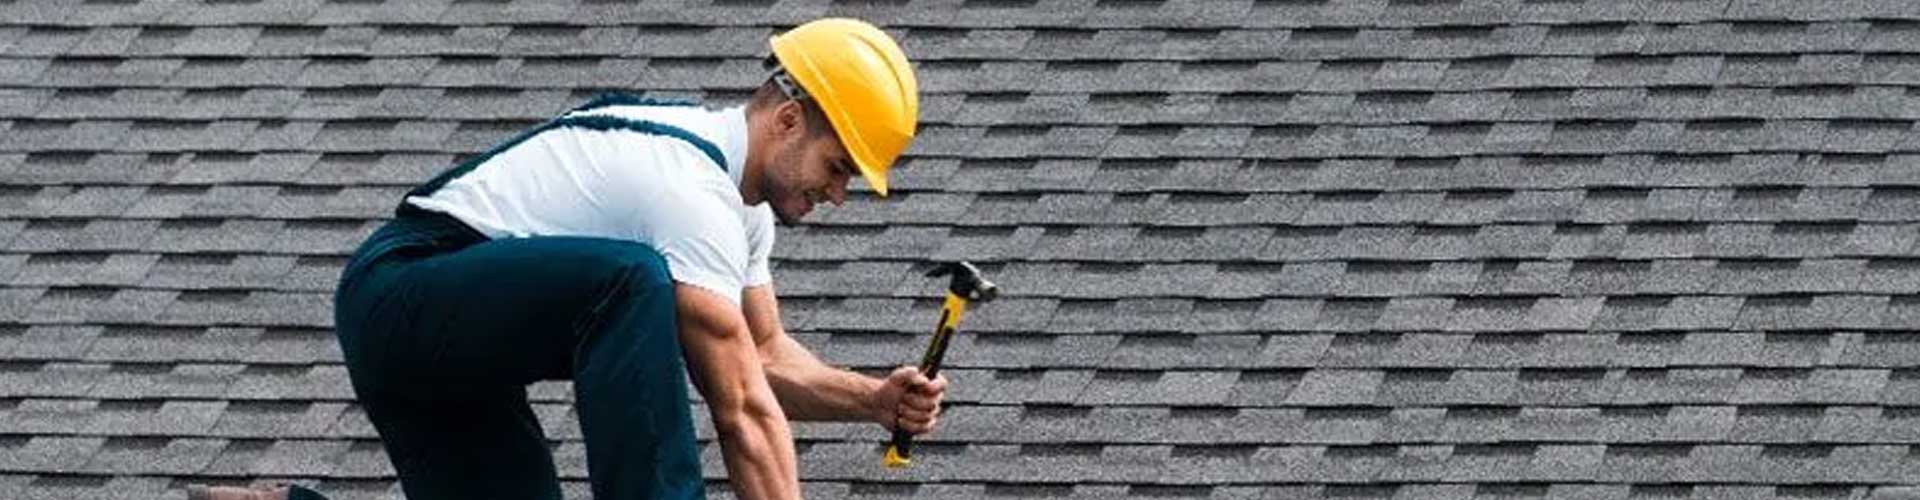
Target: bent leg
x=505 y=313
x=461 y=446
x=631 y=389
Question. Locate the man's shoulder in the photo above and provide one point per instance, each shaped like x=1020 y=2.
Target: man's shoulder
x=691 y=132
x=680 y=126
x=701 y=121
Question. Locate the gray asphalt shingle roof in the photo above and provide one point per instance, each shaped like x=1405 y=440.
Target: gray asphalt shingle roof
x=1252 y=249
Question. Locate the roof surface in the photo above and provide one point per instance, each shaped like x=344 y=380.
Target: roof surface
x=1251 y=249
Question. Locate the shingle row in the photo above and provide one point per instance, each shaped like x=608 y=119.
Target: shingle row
x=992 y=76
x=1719 y=136
x=585 y=37
x=60 y=487
x=1089 y=311
x=1177 y=14
x=1736 y=464
x=216 y=201
x=1563 y=388
x=1555 y=183
x=1343 y=429
x=1717 y=281
x=189 y=108
x=990 y=343
x=311 y=236
x=1509 y=314
x=1635 y=241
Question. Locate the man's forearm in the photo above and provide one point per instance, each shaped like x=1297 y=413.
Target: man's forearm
x=724 y=365
x=759 y=455
x=810 y=390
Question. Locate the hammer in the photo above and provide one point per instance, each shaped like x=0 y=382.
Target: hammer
x=965 y=287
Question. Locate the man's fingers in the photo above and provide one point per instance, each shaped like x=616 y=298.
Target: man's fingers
x=923 y=403
x=918 y=427
x=919 y=408
x=911 y=420
x=932 y=387
x=915 y=379
x=919 y=413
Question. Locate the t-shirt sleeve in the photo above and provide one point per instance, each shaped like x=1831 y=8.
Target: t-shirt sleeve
x=760 y=236
x=693 y=224
x=708 y=252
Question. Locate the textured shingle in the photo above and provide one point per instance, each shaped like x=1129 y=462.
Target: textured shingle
x=1397 y=249
x=54 y=453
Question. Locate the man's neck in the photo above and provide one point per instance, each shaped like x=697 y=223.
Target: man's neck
x=755 y=163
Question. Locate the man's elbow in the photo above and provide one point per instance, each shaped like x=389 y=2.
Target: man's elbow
x=742 y=416
x=737 y=406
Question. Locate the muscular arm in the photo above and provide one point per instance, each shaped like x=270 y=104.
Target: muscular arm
x=806 y=388
x=721 y=357
x=811 y=390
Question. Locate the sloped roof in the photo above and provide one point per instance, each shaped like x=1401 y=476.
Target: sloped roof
x=1252 y=249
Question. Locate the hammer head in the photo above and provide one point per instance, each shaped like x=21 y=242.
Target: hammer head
x=966 y=281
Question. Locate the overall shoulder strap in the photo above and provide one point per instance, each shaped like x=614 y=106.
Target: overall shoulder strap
x=588 y=122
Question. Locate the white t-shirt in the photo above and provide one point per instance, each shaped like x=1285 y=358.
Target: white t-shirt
x=621 y=171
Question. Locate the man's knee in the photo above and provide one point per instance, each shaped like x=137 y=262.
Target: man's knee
x=635 y=268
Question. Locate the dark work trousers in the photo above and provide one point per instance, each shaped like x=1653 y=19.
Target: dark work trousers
x=442 y=329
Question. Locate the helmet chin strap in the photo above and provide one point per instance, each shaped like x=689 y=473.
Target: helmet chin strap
x=783 y=80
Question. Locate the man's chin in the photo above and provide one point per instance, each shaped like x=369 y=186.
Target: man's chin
x=786 y=219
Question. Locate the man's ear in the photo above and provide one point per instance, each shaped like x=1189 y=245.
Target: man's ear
x=787 y=118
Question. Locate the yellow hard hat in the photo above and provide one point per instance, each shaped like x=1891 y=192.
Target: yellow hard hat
x=862 y=82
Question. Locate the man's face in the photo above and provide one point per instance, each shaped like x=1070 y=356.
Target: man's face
x=808 y=168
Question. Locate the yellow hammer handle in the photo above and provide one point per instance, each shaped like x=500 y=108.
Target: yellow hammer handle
x=900 y=450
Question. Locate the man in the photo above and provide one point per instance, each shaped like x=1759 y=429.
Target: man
x=622 y=245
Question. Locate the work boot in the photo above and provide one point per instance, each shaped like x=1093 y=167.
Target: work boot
x=268 y=492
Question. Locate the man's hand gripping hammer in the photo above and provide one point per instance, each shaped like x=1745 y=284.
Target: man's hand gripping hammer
x=965 y=287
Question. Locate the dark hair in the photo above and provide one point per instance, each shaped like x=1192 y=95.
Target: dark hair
x=770 y=94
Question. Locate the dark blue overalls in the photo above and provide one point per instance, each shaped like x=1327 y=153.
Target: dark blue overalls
x=442 y=329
